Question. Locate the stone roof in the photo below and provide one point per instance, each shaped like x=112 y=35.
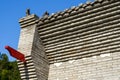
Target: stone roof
x=72 y=10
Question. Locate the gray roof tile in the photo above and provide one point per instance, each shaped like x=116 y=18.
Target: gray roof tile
x=72 y=10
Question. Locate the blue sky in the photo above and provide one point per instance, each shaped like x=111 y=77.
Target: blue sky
x=12 y=10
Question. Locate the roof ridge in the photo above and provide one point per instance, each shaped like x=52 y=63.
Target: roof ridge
x=70 y=11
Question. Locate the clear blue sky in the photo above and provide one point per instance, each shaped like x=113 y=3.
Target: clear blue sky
x=12 y=10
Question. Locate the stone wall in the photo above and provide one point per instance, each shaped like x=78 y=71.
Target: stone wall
x=81 y=43
x=102 y=67
x=84 y=45
x=39 y=58
x=90 y=31
x=37 y=65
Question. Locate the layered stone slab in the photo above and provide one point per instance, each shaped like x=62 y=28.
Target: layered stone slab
x=81 y=43
x=92 y=31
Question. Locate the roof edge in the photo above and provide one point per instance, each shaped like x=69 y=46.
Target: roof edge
x=71 y=11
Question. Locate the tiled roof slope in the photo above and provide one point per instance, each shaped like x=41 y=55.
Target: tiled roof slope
x=73 y=10
x=82 y=31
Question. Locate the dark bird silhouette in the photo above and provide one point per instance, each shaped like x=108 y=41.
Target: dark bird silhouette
x=27 y=12
x=46 y=14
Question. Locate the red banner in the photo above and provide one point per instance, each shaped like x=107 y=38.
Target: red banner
x=14 y=53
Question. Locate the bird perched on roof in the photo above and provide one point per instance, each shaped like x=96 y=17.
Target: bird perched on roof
x=27 y=12
x=46 y=14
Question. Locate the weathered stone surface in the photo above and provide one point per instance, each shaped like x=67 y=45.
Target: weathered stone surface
x=92 y=32
x=37 y=66
x=81 y=43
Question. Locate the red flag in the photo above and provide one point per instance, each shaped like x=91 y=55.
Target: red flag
x=14 y=53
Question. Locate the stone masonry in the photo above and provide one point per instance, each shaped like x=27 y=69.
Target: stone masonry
x=80 y=43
